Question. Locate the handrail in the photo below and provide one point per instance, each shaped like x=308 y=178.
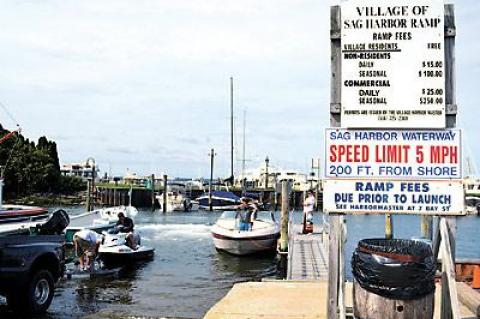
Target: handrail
x=449 y=291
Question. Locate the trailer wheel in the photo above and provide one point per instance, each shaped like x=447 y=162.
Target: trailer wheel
x=36 y=296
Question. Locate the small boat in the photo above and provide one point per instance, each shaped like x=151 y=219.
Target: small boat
x=221 y=200
x=176 y=200
x=21 y=214
x=114 y=250
x=261 y=238
x=98 y=220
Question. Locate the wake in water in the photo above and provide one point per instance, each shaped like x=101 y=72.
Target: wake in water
x=174 y=231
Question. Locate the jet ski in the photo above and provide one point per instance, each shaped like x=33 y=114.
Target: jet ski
x=114 y=249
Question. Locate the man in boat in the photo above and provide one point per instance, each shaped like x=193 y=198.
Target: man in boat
x=251 y=213
x=125 y=225
x=308 y=207
x=86 y=243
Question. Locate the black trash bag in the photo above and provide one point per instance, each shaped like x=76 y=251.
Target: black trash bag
x=395 y=268
x=55 y=224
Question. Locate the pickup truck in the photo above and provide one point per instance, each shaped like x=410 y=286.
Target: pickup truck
x=31 y=264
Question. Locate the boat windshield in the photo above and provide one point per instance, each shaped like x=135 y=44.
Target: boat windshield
x=229 y=215
x=265 y=216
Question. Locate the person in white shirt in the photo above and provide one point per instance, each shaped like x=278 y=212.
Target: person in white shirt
x=86 y=244
x=308 y=207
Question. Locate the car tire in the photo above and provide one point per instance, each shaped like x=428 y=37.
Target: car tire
x=36 y=296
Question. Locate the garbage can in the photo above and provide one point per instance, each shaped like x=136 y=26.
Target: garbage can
x=393 y=278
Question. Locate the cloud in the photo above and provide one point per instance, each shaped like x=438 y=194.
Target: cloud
x=144 y=84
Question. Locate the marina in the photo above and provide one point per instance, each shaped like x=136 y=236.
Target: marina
x=187 y=284
x=128 y=189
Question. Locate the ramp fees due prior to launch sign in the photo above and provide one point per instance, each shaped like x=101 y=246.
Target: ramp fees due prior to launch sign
x=415 y=197
x=393 y=64
x=419 y=154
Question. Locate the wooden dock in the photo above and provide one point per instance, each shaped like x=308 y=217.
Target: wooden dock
x=308 y=254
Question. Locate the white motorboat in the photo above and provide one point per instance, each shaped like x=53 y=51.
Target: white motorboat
x=176 y=200
x=97 y=220
x=228 y=237
x=114 y=249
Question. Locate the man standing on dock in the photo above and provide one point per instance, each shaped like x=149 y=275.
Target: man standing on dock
x=307 y=219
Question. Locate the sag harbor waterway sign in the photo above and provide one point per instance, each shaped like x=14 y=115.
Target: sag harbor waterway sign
x=393 y=68
x=391 y=154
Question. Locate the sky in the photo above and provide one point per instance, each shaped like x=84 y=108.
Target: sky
x=144 y=85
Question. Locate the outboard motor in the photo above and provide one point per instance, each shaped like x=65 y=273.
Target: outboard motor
x=56 y=223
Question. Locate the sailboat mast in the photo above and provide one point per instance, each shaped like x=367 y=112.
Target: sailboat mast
x=243 y=146
x=231 y=128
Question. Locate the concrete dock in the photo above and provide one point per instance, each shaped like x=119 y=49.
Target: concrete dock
x=288 y=300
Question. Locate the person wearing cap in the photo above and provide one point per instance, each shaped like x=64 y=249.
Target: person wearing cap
x=308 y=207
x=86 y=243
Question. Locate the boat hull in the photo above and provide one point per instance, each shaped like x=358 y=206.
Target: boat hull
x=245 y=245
x=116 y=258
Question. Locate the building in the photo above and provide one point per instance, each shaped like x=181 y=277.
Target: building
x=257 y=178
x=81 y=170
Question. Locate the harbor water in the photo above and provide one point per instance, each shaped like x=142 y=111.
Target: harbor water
x=188 y=276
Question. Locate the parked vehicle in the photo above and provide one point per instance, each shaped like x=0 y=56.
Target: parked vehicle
x=31 y=264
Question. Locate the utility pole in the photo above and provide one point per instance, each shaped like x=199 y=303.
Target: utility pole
x=317 y=190
x=212 y=156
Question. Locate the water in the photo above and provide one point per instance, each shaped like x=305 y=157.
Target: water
x=188 y=276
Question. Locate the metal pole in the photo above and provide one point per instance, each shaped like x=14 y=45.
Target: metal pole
x=284 y=221
x=231 y=127
x=165 y=199
x=212 y=155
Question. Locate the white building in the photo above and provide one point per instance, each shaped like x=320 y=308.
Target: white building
x=81 y=170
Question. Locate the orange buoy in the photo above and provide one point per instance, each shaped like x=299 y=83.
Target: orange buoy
x=476 y=277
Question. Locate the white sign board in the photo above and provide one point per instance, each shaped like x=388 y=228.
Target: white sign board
x=403 y=197
x=390 y=154
x=393 y=69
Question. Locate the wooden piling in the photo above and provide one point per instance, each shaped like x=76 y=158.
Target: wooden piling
x=165 y=198
x=284 y=220
x=388 y=226
x=87 y=202
x=152 y=194
x=426 y=227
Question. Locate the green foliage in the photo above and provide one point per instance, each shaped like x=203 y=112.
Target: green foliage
x=30 y=168
x=71 y=184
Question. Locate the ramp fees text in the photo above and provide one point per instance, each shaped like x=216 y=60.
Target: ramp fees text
x=424 y=154
x=436 y=197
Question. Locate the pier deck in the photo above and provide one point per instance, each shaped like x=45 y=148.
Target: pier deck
x=289 y=300
x=308 y=255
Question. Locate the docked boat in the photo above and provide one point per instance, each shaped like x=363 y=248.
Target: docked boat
x=221 y=200
x=261 y=238
x=114 y=249
x=98 y=220
x=176 y=200
x=22 y=214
